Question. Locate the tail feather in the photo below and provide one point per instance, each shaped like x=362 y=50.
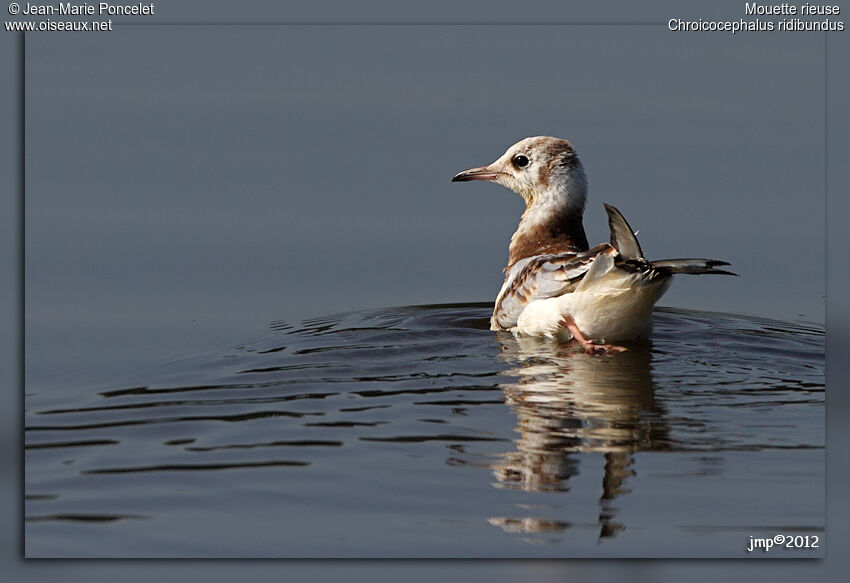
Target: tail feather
x=691 y=266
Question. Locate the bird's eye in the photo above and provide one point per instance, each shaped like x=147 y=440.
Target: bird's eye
x=520 y=161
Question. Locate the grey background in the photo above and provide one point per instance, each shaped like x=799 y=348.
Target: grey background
x=837 y=330
x=190 y=184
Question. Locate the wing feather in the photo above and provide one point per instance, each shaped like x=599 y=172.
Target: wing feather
x=541 y=277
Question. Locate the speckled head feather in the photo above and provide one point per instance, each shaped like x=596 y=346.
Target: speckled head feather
x=548 y=175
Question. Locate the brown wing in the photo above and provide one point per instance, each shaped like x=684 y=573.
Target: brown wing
x=541 y=277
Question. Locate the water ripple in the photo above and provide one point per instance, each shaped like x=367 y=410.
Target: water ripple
x=371 y=392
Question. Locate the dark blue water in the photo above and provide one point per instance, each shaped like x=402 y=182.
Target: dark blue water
x=417 y=432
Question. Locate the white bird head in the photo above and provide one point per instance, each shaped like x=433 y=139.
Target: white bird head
x=542 y=170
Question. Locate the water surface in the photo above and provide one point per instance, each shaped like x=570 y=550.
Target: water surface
x=417 y=432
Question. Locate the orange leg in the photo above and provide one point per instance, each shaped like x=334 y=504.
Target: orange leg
x=589 y=346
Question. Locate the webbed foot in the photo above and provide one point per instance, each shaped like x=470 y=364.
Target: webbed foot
x=589 y=346
x=600 y=349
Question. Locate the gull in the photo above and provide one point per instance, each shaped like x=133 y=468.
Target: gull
x=555 y=286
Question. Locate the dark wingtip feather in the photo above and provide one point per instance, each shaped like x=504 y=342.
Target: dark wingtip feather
x=692 y=266
x=712 y=271
x=622 y=236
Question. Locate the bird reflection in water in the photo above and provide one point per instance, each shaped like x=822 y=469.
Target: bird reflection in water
x=568 y=404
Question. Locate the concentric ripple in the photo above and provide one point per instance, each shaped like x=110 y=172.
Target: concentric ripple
x=416 y=431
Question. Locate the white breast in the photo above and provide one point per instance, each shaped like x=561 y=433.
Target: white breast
x=617 y=308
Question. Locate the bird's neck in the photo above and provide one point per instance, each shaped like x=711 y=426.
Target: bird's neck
x=549 y=226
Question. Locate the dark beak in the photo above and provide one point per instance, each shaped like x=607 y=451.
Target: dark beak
x=482 y=173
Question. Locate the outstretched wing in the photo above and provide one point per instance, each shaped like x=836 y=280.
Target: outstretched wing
x=541 y=277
